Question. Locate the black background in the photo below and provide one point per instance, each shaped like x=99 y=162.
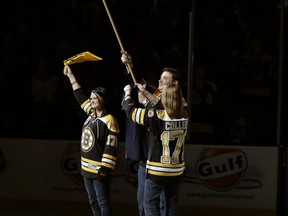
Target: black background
x=36 y=36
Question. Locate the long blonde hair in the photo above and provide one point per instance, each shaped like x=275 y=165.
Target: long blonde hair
x=173 y=102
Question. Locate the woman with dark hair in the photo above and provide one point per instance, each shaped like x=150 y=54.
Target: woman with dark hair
x=167 y=127
x=99 y=144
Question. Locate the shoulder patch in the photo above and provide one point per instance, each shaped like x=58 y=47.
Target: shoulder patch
x=111 y=123
x=162 y=114
x=150 y=113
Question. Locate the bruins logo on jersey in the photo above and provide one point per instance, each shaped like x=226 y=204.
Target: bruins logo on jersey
x=87 y=139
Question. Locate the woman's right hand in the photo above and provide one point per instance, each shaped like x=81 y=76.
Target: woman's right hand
x=67 y=71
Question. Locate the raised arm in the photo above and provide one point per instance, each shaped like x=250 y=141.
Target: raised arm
x=144 y=96
x=68 y=72
x=82 y=99
x=132 y=112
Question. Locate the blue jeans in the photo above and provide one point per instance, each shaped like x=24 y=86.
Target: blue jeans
x=140 y=193
x=99 y=196
x=152 y=197
x=140 y=189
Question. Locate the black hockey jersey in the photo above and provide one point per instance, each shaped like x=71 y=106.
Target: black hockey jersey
x=166 y=141
x=99 y=140
x=135 y=134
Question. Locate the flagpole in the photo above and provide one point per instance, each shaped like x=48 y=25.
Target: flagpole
x=128 y=66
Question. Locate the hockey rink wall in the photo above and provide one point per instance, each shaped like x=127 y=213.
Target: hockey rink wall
x=219 y=179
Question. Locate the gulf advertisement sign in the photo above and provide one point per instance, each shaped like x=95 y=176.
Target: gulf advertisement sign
x=231 y=176
x=221 y=169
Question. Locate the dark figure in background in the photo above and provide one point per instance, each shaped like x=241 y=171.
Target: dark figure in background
x=205 y=108
x=2 y=160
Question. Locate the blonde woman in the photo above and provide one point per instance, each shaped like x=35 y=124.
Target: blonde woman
x=167 y=128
